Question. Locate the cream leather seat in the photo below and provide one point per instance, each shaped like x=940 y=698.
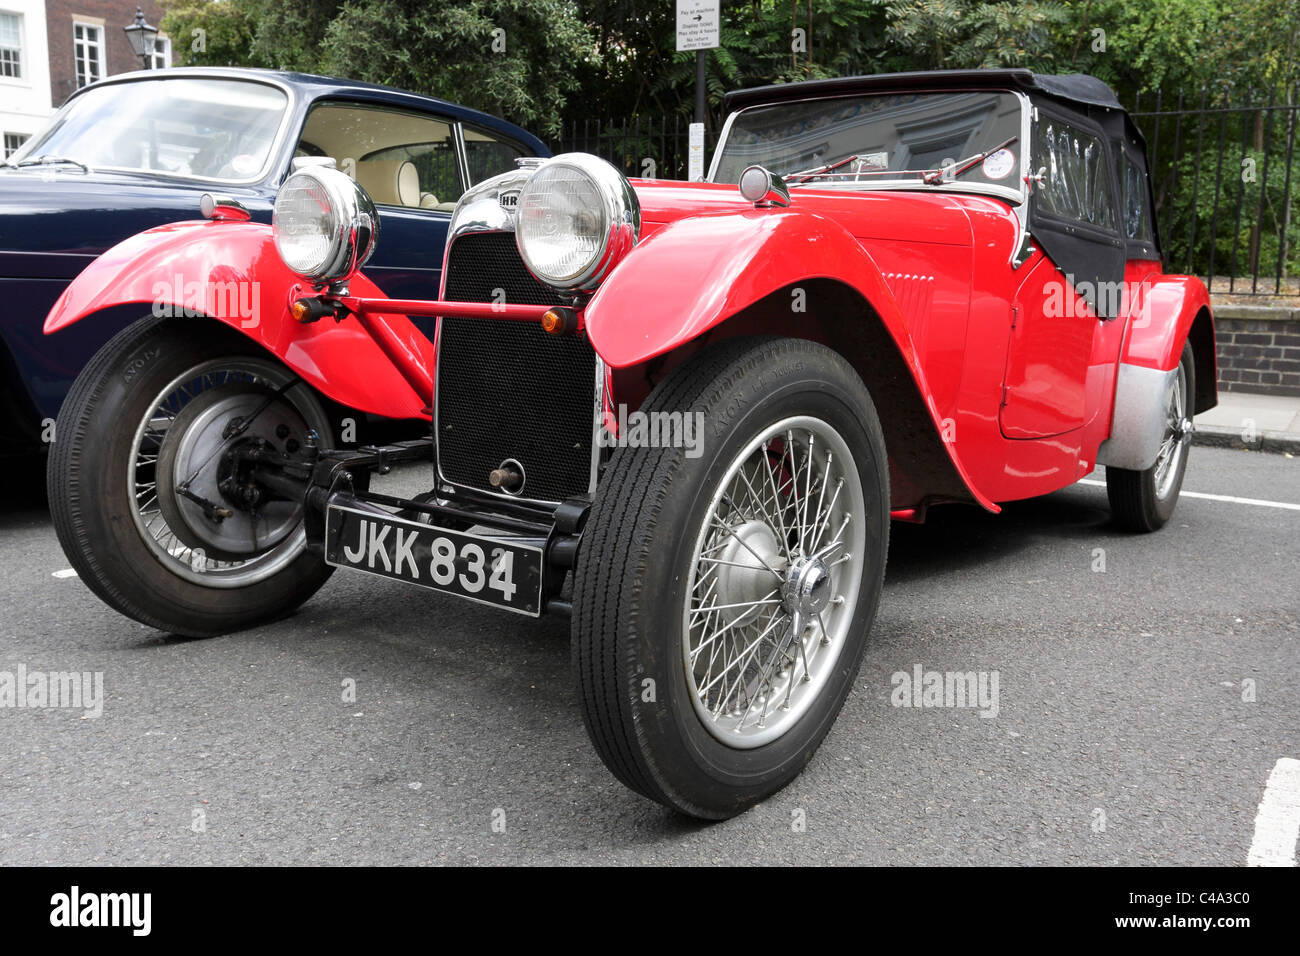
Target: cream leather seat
x=390 y=182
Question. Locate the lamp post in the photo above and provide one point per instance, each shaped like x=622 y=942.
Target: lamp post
x=143 y=36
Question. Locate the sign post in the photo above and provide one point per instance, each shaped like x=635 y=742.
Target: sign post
x=699 y=29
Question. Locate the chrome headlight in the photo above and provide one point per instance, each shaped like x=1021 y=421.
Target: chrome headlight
x=325 y=225
x=576 y=218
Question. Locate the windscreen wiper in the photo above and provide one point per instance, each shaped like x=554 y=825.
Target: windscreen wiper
x=50 y=161
x=794 y=179
x=933 y=177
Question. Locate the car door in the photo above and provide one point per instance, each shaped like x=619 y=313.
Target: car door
x=1075 y=285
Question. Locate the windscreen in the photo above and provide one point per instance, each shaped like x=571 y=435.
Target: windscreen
x=879 y=140
x=192 y=127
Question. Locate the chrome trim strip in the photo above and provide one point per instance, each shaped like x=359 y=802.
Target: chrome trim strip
x=1021 y=249
x=462 y=157
x=597 y=424
x=722 y=139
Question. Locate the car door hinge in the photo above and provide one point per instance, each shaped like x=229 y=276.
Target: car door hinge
x=1015 y=315
x=1004 y=396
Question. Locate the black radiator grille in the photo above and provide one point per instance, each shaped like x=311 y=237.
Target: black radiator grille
x=507 y=389
x=482 y=262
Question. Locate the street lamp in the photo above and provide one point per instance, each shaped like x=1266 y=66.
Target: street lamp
x=142 y=37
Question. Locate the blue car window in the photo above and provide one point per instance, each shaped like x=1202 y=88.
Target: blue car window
x=489 y=155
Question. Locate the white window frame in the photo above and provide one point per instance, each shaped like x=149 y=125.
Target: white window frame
x=4 y=143
x=22 y=46
x=78 y=55
x=161 y=58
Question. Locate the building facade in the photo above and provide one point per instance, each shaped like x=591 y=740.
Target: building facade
x=86 y=42
x=51 y=48
x=24 y=71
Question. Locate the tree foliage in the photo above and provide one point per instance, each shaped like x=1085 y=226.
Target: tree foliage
x=514 y=58
x=591 y=58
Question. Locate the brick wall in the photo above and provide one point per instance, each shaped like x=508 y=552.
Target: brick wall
x=115 y=14
x=1259 y=349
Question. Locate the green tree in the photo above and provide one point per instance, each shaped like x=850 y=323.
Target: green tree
x=514 y=58
x=582 y=59
x=763 y=41
x=212 y=32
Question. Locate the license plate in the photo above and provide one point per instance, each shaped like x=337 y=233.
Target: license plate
x=492 y=571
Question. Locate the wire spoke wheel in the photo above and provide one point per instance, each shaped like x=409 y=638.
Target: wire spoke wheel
x=722 y=600
x=157 y=486
x=774 y=581
x=1173 y=446
x=157 y=520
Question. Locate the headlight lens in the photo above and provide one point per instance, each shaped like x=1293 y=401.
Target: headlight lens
x=577 y=216
x=325 y=225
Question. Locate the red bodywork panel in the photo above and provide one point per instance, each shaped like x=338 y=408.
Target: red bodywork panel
x=1154 y=341
x=1025 y=398
x=693 y=272
x=1022 y=399
x=341 y=359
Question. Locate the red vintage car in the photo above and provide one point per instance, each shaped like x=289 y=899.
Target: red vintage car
x=682 y=413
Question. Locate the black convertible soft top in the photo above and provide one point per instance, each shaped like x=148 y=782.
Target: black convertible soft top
x=1071 y=87
x=1089 y=255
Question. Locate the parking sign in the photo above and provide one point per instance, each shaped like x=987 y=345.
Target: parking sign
x=698 y=24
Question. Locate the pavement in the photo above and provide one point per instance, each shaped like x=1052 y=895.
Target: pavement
x=1148 y=704
x=1252 y=421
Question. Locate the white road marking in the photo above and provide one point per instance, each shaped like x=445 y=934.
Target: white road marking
x=65 y=573
x=1231 y=499
x=1277 y=825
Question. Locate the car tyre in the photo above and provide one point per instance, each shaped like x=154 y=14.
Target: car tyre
x=1144 y=500
x=642 y=618
x=104 y=521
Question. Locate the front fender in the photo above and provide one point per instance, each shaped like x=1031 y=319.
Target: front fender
x=695 y=273
x=232 y=273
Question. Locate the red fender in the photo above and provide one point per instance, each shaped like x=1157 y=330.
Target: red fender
x=231 y=272
x=1171 y=310
x=1163 y=319
x=695 y=273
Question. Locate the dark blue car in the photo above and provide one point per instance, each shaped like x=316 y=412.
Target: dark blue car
x=139 y=150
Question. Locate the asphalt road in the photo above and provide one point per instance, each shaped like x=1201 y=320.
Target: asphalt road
x=1121 y=733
